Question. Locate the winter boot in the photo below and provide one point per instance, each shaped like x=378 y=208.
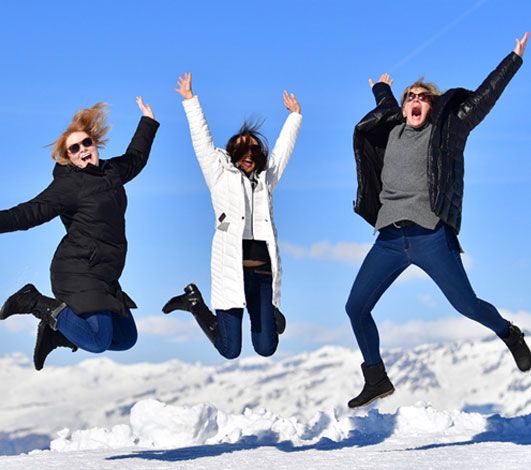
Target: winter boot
x=47 y=341
x=192 y=301
x=377 y=385
x=519 y=349
x=280 y=321
x=29 y=300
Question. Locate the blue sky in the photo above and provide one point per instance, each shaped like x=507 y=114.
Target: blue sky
x=58 y=57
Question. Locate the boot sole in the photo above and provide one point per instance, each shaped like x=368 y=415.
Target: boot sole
x=383 y=395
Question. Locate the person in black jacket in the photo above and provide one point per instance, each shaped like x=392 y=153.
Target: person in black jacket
x=90 y=310
x=410 y=169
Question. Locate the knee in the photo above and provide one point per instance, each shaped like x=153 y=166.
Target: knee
x=100 y=343
x=230 y=353
x=354 y=309
x=266 y=348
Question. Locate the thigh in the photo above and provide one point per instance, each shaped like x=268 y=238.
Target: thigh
x=441 y=260
x=229 y=338
x=259 y=299
x=383 y=264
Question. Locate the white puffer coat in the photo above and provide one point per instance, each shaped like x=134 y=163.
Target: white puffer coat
x=225 y=182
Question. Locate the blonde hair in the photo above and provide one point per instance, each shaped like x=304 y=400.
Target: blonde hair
x=431 y=88
x=93 y=121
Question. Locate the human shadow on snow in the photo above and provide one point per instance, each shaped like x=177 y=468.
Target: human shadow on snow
x=516 y=430
x=371 y=430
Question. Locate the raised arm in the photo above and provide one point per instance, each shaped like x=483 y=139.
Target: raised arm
x=382 y=91
x=136 y=156
x=481 y=101
x=207 y=154
x=285 y=143
x=53 y=201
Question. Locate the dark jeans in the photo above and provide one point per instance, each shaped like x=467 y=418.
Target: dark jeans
x=258 y=296
x=434 y=251
x=99 y=331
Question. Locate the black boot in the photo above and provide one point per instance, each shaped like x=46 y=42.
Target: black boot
x=29 y=300
x=47 y=341
x=280 y=321
x=377 y=385
x=519 y=349
x=192 y=301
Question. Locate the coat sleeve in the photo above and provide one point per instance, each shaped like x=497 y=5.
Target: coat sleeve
x=283 y=149
x=474 y=109
x=53 y=201
x=384 y=96
x=136 y=156
x=208 y=156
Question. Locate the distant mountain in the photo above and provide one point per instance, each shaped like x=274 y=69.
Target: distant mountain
x=470 y=376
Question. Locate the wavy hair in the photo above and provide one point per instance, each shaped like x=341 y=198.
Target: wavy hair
x=93 y=121
x=241 y=143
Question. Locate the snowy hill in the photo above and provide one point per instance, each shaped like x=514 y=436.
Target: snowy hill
x=477 y=376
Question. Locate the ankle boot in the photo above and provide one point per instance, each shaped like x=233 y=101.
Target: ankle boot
x=280 y=321
x=518 y=347
x=28 y=300
x=192 y=301
x=377 y=385
x=47 y=341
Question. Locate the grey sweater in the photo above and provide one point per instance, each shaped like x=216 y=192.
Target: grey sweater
x=405 y=194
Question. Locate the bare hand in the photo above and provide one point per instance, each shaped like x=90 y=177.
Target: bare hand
x=520 y=45
x=145 y=108
x=185 y=86
x=291 y=102
x=384 y=78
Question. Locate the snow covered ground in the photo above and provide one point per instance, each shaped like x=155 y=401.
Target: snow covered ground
x=461 y=404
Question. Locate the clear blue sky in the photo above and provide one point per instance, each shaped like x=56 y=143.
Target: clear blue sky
x=60 y=56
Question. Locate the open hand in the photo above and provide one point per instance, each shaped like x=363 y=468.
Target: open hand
x=520 y=45
x=185 y=86
x=384 y=78
x=291 y=102
x=145 y=108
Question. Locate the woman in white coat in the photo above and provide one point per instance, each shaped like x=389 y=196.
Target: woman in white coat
x=245 y=264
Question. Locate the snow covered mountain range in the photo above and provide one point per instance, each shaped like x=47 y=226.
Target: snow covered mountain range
x=473 y=376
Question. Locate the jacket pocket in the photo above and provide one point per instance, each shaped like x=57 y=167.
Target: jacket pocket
x=223 y=224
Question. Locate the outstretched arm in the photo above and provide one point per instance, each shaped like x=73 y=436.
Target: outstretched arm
x=42 y=208
x=382 y=91
x=136 y=156
x=285 y=143
x=481 y=101
x=207 y=154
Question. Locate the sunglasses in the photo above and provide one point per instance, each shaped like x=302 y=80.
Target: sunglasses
x=86 y=142
x=422 y=96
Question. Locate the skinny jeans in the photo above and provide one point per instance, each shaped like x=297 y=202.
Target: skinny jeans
x=436 y=252
x=98 y=331
x=259 y=300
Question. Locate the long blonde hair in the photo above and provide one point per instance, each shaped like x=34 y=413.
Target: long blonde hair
x=93 y=121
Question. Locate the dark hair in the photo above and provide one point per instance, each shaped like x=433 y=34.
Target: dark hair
x=240 y=144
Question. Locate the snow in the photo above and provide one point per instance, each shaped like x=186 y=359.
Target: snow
x=456 y=404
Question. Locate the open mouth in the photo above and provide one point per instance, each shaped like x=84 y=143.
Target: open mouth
x=247 y=161
x=416 y=111
x=86 y=156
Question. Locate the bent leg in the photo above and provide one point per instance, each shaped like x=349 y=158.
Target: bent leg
x=382 y=265
x=124 y=332
x=92 y=332
x=442 y=262
x=259 y=298
x=229 y=339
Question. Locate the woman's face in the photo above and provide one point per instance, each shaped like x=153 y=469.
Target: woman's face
x=81 y=149
x=417 y=107
x=247 y=162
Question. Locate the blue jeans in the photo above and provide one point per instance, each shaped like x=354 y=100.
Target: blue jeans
x=434 y=251
x=99 y=331
x=258 y=296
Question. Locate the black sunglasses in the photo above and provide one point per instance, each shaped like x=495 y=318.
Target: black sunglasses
x=422 y=96
x=86 y=142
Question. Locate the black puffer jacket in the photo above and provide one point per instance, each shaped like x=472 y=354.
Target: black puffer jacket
x=454 y=115
x=91 y=203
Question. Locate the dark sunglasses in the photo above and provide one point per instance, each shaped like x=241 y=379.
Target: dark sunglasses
x=422 y=96
x=86 y=142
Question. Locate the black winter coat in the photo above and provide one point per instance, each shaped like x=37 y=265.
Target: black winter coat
x=91 y=202
x=454 y=115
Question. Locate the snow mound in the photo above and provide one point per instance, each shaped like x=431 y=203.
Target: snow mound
x=156 y=425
